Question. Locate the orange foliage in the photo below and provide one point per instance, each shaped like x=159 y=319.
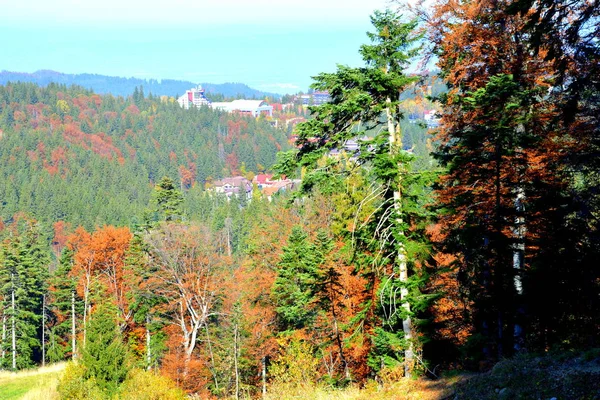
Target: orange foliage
x=100 y=257
x=61 y=236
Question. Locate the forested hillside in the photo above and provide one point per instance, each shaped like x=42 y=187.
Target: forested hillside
x=69 y=154
x=472 y=247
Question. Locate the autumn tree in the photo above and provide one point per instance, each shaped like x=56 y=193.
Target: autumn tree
x=504 y=195
x=187 y=271
x=98 y=259
x=564 y=34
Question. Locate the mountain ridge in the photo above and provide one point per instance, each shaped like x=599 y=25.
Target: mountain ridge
x=121 y=86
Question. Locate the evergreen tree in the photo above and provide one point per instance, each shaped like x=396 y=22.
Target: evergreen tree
x=294 y=287
x=104 y=356
x=23 y=273
x=168 y=200
x=366 y=101
x=63 y=291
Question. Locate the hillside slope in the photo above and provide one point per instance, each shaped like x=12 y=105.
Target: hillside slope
x=70 y=154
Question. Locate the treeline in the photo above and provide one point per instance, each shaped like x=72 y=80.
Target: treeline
x=211 y=303
x=125 y=87
x=71 y=155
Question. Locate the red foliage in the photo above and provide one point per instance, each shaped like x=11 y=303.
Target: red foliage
x=62 y=230
x=232 y=163
x=133 y=109
x=100 y=256
x=187 y=175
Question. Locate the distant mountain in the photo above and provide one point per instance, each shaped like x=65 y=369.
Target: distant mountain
x=125 y=86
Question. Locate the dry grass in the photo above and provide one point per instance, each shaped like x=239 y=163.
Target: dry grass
x=35 y=384
x=556 y=375
x=405 y=389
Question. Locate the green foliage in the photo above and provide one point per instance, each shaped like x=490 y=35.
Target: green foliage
x=364 y=106
x=92 y=160
x=294 y=287
x=63 y=287
x=168 y=200
x=23 y=271
x=104 y=356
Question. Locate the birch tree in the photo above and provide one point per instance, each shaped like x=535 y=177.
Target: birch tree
x=186 y=269
x=365 y=102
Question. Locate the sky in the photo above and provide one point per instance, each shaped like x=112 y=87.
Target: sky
x=269 y=45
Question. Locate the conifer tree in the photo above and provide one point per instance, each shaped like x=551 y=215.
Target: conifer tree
x=365 y=101
x=63 y=296
x=168 y=200
x=104 y=356
x=294 y=287
x=23 y=274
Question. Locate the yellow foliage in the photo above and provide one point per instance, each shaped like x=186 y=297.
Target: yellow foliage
x=73 y=385
x=295 y=370
x=148 y=385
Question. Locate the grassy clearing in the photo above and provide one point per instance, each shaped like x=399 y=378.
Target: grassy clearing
x=38 y=384
x=560 y=376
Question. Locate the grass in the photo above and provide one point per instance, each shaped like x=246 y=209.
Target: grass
x=37 y=384
x=565 y=375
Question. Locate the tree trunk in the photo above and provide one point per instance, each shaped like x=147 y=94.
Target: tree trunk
x=3 y=335
x=338 y=340
x=212 y=357
x=85 y=309
x=264 y=376
x=73 y=338
x=43 y=330
x=518 y=261
x=14 y=331
x=148 y=350
x=235 y=362
x=395 y=146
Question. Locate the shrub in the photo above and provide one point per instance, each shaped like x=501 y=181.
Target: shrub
x=74 y=386
x=148 y=385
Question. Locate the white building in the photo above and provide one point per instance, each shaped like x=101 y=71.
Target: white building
x=194 y=96
x=247 y=107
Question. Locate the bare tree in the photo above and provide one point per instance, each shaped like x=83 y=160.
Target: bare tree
x=186 y=264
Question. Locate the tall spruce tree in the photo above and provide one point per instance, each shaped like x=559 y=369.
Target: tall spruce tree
x=167 y=199
x=23 y=273
x=365 y=101
x=294 y=287
x=104 y=356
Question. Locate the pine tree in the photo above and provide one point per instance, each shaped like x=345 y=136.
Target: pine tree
x=105 y=356
x=63 y=289
x=365 y=101
x=168 y=200
x=294 y=287
x=23 y=274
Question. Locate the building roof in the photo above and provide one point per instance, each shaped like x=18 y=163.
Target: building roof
x=243 y=105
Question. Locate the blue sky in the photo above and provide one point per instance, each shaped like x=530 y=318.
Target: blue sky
x=272 y=46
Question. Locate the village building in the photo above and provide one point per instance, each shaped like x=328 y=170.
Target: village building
x=315 y=98
x=234 y=186
x=193 y=97
x=253 y=108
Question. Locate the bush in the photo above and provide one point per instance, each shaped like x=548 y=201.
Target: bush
x=147 y=385
x=74 y=386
